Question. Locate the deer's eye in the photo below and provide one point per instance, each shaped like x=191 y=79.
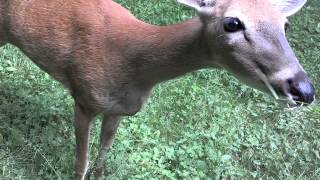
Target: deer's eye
x=232 y=24
x=286 y=26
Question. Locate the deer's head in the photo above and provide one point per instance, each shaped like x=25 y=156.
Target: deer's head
x=247 y=38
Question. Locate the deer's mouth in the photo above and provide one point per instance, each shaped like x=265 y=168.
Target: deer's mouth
x=295 y=91
x=301 y=91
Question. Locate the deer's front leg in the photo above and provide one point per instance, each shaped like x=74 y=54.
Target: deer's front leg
x=108 y=130
x=82 y=130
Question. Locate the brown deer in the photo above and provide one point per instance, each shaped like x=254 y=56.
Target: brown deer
x=109 y=60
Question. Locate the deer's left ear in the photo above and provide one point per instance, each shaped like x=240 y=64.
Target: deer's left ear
x=288 y=7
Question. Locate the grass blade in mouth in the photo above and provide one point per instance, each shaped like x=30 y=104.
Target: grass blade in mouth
x=267 y=83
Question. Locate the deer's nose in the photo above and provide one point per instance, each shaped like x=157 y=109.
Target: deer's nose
x=301 y=89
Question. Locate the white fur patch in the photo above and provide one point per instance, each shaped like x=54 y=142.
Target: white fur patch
x=284 y=74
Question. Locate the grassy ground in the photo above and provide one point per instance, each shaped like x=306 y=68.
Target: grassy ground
x=205 y=125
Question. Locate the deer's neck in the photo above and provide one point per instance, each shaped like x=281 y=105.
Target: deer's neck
x=171 y=51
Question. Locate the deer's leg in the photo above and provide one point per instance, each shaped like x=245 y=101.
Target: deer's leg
x=108 y=130
x=82 y=124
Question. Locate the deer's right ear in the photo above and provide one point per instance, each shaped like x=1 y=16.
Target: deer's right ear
x=288 y=7
x=199 y=5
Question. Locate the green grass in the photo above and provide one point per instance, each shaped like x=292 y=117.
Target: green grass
x=205 y=125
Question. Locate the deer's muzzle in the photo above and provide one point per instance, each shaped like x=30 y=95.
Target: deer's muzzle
x=300 y=89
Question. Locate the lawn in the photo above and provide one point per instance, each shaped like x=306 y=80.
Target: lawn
x=204 y=125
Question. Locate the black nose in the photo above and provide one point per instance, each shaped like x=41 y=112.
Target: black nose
x=301 y=89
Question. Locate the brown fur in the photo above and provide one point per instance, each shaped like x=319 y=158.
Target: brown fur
x=83 y=49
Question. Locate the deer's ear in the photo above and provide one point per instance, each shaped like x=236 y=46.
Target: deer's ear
x=288 y=7
x=199 y=5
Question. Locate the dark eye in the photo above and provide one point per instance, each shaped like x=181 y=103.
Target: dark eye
x=232 y=24
x=286 y=26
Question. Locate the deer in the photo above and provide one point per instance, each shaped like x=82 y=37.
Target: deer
x=109 y=60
